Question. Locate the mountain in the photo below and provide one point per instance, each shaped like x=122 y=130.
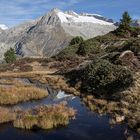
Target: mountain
x=136 y=23
x=52 y=32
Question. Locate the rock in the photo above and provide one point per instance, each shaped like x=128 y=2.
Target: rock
x=100 y=102
x=130 y=138
x=119 y=119
x=129 y=59
x=124 y=103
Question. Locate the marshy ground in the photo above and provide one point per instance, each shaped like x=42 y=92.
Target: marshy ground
x=14 y=89
x=17 y=87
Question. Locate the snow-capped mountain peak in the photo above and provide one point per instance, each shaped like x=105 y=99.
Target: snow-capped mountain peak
x=72 y=13
x=50 y=33
x=3 y=27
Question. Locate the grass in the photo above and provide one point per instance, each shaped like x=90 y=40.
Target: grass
x=6 y=115
x=14 y=95
x=13 y=91
x=45 y=117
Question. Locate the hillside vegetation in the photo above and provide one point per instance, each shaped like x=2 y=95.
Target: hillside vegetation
x=113 y=59
x=106 y=74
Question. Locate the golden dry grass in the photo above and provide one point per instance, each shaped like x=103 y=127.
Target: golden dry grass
x=45 y=117
x=6 y=115
x=13 y=91
x=14 y=95
x=25 y=74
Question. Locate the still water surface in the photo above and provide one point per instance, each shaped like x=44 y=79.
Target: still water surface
x=86 y=126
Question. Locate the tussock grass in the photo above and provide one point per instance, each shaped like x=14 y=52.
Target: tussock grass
x=45 y=117
x=6 y=115
x=16 y=94
x=13 y=91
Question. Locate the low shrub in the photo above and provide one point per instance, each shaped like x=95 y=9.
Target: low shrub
x=133 y=45
x=103 y=77
x=135 y=31
x=68 y=53
x=89 y=47
x=106 y=38
x=76 y=40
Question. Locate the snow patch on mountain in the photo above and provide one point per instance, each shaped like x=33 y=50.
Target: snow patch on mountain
x=68 y=18
x=3 y=27
x=91 y=15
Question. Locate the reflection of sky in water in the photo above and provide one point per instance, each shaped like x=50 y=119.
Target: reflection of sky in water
x=51 y=99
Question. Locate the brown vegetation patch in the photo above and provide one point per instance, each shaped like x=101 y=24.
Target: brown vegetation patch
x=13 y=91
x=45 y=117
x=6 y=115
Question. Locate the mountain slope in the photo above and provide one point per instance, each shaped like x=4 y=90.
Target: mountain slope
x=50 y=33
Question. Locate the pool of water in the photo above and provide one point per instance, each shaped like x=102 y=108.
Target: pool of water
x=86 y=126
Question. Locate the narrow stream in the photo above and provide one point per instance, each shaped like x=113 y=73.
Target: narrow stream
x=87 y=125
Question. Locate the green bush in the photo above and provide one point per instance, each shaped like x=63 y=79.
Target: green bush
x=89 y=47
x=103 y=77
x=10 y=56
x=133 y=45
x=106 y=38
x=76 y=40
x=68 y=53
x=135 y=31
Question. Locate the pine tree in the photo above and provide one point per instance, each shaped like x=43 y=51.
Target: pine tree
x=125 y=21
x=10 y=56
x=124 y=29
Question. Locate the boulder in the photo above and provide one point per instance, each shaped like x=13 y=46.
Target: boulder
x=129 y=59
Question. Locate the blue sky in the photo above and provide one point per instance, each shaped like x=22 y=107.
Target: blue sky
x=13 y=12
